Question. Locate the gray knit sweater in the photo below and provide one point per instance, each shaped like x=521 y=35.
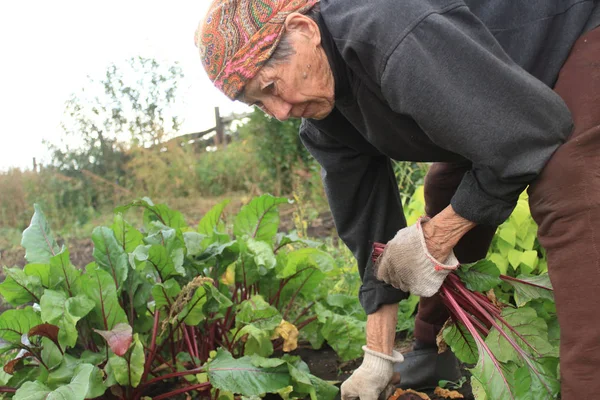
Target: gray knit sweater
x=440 y=80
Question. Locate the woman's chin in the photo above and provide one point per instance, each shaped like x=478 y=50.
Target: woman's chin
x=317 y=112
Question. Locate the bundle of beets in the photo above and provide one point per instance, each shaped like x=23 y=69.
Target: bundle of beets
x=478 y=314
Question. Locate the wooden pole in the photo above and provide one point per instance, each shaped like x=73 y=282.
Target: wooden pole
x=219 y=139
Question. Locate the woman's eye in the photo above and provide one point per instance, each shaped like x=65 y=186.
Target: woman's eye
x=269 y=88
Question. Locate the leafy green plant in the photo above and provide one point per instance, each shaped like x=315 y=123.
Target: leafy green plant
x=515 y=274
x=444 y=384
x=169 y=309
x=226 y=170
x=515 y=249
x=513 y=354
x=410 y=177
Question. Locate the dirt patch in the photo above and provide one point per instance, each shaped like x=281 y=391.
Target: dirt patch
x=465 y=391
x=80 y=252
x=322 y=226
x=12 y=257
x=319 y=227
x=325 y=364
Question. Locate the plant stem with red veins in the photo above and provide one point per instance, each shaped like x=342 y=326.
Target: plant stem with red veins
x=173 y=375
x=203 y=386
x=188 y=342
x=152 y=346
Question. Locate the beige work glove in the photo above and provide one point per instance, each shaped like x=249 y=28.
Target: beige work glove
x=372 y=379
x=407 y=265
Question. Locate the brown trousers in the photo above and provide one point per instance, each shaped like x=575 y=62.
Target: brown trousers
x=565 y=203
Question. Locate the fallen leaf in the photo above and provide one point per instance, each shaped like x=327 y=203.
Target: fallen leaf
x=491 y=295
x=447 y=394
x=410 y=394
x=289 y=333
x=439 y=339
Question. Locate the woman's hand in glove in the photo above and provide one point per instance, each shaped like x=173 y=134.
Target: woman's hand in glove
x=419 y=257
x=373 y=379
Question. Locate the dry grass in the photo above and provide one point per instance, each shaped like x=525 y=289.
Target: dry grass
x=14 y=199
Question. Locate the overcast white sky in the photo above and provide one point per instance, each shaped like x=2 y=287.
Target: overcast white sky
x=48 y=48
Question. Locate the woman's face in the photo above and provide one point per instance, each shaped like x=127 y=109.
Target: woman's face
x=301 y=86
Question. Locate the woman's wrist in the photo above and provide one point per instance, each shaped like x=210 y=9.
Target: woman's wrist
x=381 y=329
x=443 y=232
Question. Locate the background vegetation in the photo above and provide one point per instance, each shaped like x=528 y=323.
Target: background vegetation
x=120 y=141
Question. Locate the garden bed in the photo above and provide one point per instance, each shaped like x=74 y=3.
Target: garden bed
x=325 y=364
x=219 y=308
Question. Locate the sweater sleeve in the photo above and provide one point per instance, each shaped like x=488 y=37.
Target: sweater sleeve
x=365 y=203
x=453 y=78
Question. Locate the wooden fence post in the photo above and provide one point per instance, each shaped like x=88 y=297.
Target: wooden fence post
x=219 y=137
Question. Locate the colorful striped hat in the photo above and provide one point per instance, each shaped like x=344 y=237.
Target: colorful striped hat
x=237 y=37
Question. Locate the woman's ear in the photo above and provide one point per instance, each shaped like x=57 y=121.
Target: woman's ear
x=301 y=24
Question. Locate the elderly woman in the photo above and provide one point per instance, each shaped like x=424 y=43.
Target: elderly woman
x=500 y=95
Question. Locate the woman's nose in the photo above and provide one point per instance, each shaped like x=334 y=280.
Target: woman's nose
x=279 y=109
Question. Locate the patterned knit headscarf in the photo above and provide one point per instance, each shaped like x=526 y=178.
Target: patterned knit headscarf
x=237 y=37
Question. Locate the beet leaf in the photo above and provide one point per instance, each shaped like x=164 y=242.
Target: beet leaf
x=38 y=239
x=529 y=288
x=259 y=219
x=488 y=370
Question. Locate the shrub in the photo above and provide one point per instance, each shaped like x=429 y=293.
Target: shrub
x=278 y=148
x=231 y=169
x=67 y=200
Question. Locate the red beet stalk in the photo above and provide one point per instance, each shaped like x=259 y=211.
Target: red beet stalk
x=474 y=310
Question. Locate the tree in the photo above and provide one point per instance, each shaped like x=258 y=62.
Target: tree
x=130 y=106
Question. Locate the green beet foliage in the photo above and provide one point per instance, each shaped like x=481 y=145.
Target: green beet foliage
x=515 y=273
x=167 y=308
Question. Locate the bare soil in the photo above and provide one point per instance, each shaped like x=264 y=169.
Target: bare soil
x=325 y=364
x=320 y=227
x=80 y=251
